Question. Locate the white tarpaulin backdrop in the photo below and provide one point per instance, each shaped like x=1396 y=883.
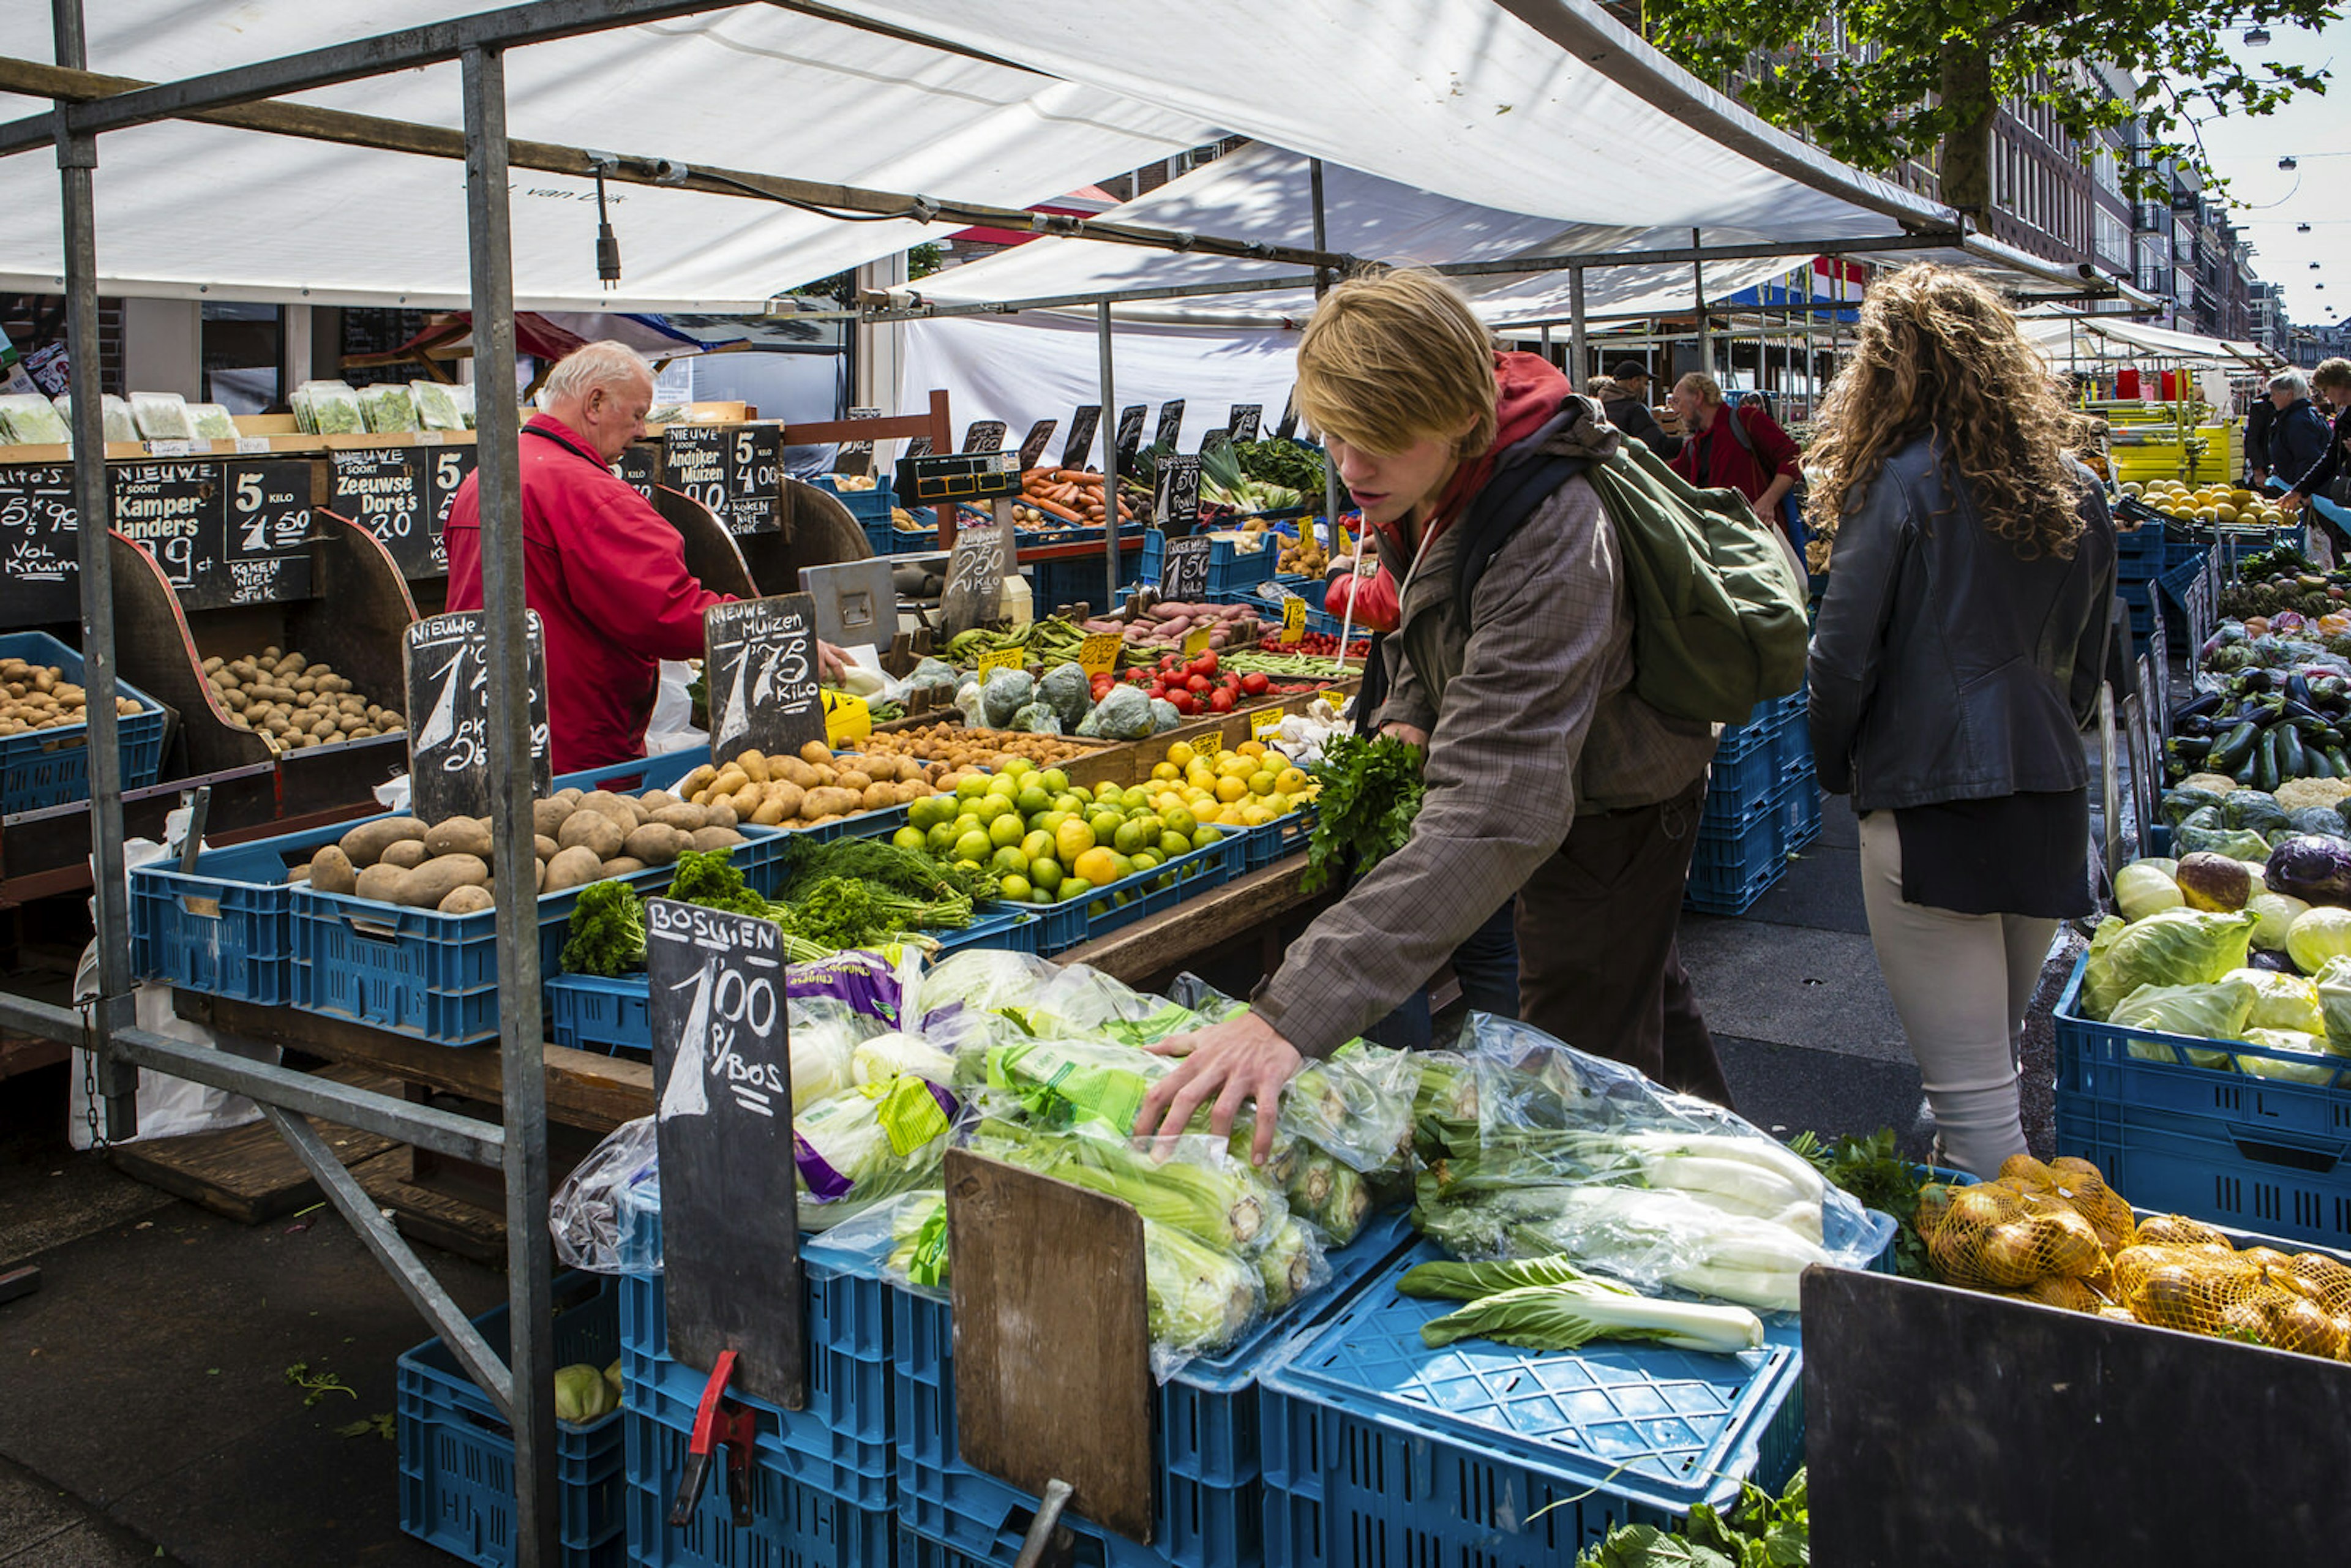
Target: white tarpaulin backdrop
x=2068 y=337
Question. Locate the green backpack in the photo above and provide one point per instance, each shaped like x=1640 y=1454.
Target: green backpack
x=1719 y=622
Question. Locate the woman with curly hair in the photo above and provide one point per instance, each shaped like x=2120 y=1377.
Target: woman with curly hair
x=1959 y=650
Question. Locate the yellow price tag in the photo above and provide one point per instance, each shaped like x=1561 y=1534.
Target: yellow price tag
x=846 y=717
x=1003 y=659
x=1196 y=643
x=1209 y=745
x=1098 y=655
x=1293 y=619
x=1264 y=727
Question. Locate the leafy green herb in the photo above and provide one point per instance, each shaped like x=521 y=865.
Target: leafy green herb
x=316 y=1388
x=1758 y=1531
x=381 y=1423
x=608 y=932
x=709 y=878
x=1371 y=792
x=880 y=861
x=1879 y=1178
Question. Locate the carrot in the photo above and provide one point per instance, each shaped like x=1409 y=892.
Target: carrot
x=1056 y=509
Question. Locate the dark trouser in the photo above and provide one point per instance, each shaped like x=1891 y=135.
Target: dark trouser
x=1487 y=966
x=1599 y=967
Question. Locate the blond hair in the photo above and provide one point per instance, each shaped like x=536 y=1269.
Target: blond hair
x=1940 y=356
x=1396 y=359
x=1705 y=385
x=592 y=365
x=2335 y=374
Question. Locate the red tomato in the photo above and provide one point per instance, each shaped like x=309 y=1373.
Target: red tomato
x=1184 y=702
x=1207 y=663
x=1197 y=682
x=1255 y=683
x=1220 y=700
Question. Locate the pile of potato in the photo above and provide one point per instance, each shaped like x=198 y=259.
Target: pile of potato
x=963 y=747
x=38 y=697
x=582 y=837
x=816 y=786
x=292 y=703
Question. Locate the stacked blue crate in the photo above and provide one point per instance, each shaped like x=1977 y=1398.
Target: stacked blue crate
x=1761 y=806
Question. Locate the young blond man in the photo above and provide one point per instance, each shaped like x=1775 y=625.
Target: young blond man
x=1547 y=777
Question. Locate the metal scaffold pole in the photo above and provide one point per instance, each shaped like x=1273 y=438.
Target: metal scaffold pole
x=497 y=417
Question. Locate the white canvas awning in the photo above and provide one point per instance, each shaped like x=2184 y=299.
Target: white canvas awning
x=2071 y=337
x=1544 y=107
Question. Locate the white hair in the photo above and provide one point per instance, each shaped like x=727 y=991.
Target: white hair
x=592 y=365
x=2293 y=381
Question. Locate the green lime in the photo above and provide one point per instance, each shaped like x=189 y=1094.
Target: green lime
x=1041 y=895
x=1008 y=861
x=1032 y=800
x=910 y=838
x=1145 y=859
x=972 y=787
x=1172 y=844
x=1204 y=837
x=1037 y=844
x=1074 y=887
x=1129 y=837
x=1099 y=907
x=1105 y=825
x=1017 y=765
x=1182 y=822
x=1054 y=781
x=919 y=814
x=941 y=839
x=1067 y=801
x=1006 y=828
x=1125 y=866
x=1045 y=871
x=973 y=847
x=1004 y=786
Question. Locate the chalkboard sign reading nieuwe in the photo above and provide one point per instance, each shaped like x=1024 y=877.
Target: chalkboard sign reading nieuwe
x=760 y=666
x=722 y=1086
x=448 y=691
x=733 y=471
x=37 y=545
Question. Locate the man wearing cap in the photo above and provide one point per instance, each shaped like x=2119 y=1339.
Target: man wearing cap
x=1629 y=411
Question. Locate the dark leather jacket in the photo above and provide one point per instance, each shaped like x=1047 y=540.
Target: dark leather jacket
x=1944 y=665
x=2298 y=439
x=1633 y=416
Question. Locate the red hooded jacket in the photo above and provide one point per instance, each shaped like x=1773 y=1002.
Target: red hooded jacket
x=1528 y=388
x=607 y=575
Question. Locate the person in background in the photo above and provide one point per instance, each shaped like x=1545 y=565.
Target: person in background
x=1548 y=777
x=2332 y=379
x=1959 y=649
x=605 y=571
x=2257 y=419
x=1626 y=402
x=1741 y=449
x=2296 y=440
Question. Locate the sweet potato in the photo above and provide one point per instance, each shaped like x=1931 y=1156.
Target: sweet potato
x=655 y=844
x=330 y=871
x=407 y=854
x=365 y=844
x=575 y=867
x=710 y=839
x=467 y=900
x=459 y=836
x=436 y=879
x=594 y=830
x=379 y=882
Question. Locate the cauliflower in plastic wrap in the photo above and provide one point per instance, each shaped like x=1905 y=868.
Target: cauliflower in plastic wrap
x=1123 y=714
x=1067 y=691
x=1038 y=719
x=935 y=675
x=1004 y=693
x=1163 y=716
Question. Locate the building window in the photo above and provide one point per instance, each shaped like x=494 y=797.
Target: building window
x=244 y=351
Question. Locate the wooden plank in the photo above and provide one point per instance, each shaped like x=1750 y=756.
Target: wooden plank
x=22 y=1053
x=1052 y=1348
x=584 y=1089
x=1950 y=1428
x=1176 y=937
x=246 y=1173
x=435 y=1218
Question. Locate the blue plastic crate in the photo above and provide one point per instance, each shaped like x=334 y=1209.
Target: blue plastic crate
x=1378 y=1449
x=868 y=507
x=1742 y=791
x=1797 y=820
x=2140 y=552
x=1204 y=1437
x=842 y=1443
x=1792 y=747
x=1731 y=870
x=1229 y=567
x=2213 y=1142
x=456 y=1452
x=51 y=767
x=1285 y=836
x=436 y=976
x=226 y=928
x=1054 y=583
x=590 y=1012
x=793 y=1525
x=1759 y=732
x=1072 y=922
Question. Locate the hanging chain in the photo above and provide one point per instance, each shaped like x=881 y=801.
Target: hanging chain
x=98 y=1139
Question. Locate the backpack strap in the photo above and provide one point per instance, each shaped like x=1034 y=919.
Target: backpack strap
x=1508 y=500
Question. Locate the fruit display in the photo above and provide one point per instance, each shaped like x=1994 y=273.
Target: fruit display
x=1206 y=684
x=292 y=703
x=38 y=697
x=1049 y=841
x=2283 y=591
x=816 y=786
x=1302 y=555
x=2207 y=504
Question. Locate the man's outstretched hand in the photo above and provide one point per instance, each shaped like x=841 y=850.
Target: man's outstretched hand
x=1234 y=1062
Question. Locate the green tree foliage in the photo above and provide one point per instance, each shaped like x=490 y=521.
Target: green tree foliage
x=1919 y=76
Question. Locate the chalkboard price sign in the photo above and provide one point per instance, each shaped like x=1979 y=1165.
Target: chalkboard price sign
x=755 y=479
x=975 y=586
x=1171 y=423
x=445 y=468
x=1082 y=425
x=1245 y=422
x=448 y=683
x=722 y=1086
x=265 y=556
x=985 y=435
x=37 y=545
x=1130 y=436
x=640 y=467
x=759 y=665
x=1183 y=569
x=1287 y=426
x=1177 y=503
x=1032 y=451
x=1215 y=439
x=855 y=448
x=386 y=490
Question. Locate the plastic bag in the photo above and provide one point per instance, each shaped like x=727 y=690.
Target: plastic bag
x=436 y=406
x=326 y=408
x=162 y=416
x=115 y=413
x=26 y=419
x=905 y=1239
x=213 y=422
x=387 y=408
x=585 y=1215
x=672 y=728
x=876 y=1141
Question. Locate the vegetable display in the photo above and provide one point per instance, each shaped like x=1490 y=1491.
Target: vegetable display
x=1225 y=481
x=816 y=786
x=2265 y=726
x=1371 y=791
x=1063 y=498
x=292 y=702
x=38 y=697
x=1547 y=1303
x=1168 y=623
x=966 y=748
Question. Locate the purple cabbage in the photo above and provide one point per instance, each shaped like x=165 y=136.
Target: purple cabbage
x=2314 y=869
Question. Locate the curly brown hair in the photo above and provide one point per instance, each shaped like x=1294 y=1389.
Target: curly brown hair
x=1939 y=354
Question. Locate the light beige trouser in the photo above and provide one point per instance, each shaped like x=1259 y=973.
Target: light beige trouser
x=1961 y=984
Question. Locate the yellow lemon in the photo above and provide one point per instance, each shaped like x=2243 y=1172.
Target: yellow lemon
x=1098 y=866
x=1255 y=816
x=1250 y=749
x=1230 y=788
x=1180 y=755
x=1167 y=770
x=1290 y=781
x=1261 y=783
x=1072 y=839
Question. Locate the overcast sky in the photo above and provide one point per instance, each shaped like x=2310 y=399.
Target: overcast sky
x=2269 y=202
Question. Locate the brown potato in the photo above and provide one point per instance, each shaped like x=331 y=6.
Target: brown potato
x=436 y=880
x=746 y=800
x=685 y=819
x=407 y=854
x=710 y=839
x=827 y=801
x=330 y=871
x=592 y=828
x=855 y=779
x=655 y=800
x=816 y=751
x=548 y=817
x=655 y=844
x=619 y=807
x=754 y=765
x=379 y=882
x=467 y=900
x=879 y=797
x=575 y=867
x=701 y=778
x=720 y=814
x=365 y=844
x=624 y=865
x=547 y=848
x=459 y=836
x=730 y=782
x=798 y=770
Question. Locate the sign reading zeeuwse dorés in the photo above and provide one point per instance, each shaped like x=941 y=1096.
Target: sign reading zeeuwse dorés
x=448 y=695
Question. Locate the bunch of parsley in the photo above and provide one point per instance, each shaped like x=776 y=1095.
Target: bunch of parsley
x=1371 y=792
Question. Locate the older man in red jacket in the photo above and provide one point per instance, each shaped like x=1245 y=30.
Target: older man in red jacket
x=605 y=571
